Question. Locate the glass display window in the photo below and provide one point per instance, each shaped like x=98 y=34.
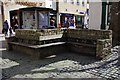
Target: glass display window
x=29 y=21
x=43 y=20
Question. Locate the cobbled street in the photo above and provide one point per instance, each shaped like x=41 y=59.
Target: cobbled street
x=16 y=65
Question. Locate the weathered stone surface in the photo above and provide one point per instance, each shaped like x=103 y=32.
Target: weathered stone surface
x=94 y=42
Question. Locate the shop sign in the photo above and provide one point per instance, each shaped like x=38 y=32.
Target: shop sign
x=35 y=4
x=67 y=15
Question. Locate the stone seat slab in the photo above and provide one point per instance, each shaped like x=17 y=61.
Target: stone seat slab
x=82 y=44
x=49 y=37
x=36 y=46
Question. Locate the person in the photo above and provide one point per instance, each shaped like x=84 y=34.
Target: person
x=15 y=27
x=10 y=30
x=67 y=23
x=52 y=22
x=86 y=21
x=72 y=23
x=5 y=27
x=14 y=24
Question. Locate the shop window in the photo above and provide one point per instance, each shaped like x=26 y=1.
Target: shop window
x=43 y=20
x=78 y=3
x=83 y=3
x=65 y=1
x=29 y=21
x=77 y=10
x=79 y=21
x=72 y=1
x=66 y=20
x=53 y=23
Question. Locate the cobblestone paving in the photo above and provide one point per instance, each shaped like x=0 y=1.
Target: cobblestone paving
x=64 y=65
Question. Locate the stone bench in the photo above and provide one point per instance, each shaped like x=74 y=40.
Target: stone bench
x=42 y=43
x=37 y=46
x=37 y=51
x=90 y=42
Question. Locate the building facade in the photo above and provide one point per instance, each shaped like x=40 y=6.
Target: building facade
x=28 y=13
x=35 y=14
x=71 y=13
x=99 y=14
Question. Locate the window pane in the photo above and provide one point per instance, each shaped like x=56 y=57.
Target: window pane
x=65 y=1
x=43 y=20
x=72 y=1
x=78 y=3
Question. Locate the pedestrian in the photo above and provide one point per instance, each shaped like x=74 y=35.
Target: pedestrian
x=5 y=27
x=14 y=24
x=11 y=31
x=67 y=23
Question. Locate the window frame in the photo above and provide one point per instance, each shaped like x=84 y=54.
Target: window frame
x=72 y=1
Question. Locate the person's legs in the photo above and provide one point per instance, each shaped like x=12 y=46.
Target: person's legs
x=10 y=31
x=6 y=31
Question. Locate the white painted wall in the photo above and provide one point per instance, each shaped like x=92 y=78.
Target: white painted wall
x=72 y=8
x=95 y=13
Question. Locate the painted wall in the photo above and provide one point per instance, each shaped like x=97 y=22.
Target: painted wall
x=68 y=7
x=95 y=12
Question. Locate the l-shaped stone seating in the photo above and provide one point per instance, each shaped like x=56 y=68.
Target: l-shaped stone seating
x=42 y=43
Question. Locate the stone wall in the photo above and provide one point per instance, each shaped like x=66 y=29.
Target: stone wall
x=89 y=34
x=103 y=48
x=39 y=36
x=91 y=42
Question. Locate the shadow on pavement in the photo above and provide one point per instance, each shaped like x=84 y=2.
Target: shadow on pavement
x=26 y=65
x=16 y=63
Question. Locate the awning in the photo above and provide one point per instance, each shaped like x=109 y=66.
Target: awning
x=77 y=14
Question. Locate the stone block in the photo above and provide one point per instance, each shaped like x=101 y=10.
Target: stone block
x=95 y=42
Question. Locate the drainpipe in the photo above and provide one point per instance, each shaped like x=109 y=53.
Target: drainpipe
x=103 y=20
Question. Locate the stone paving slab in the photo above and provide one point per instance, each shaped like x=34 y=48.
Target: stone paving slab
x=17 y=66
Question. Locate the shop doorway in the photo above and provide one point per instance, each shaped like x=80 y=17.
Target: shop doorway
x=66 y=20
x=14 y=20
x=79 y=21
x=53 y=23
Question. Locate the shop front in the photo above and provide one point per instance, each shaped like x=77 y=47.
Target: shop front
x=34 y=18
x=37 y=18
x=79 y=21
x=66 y=20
